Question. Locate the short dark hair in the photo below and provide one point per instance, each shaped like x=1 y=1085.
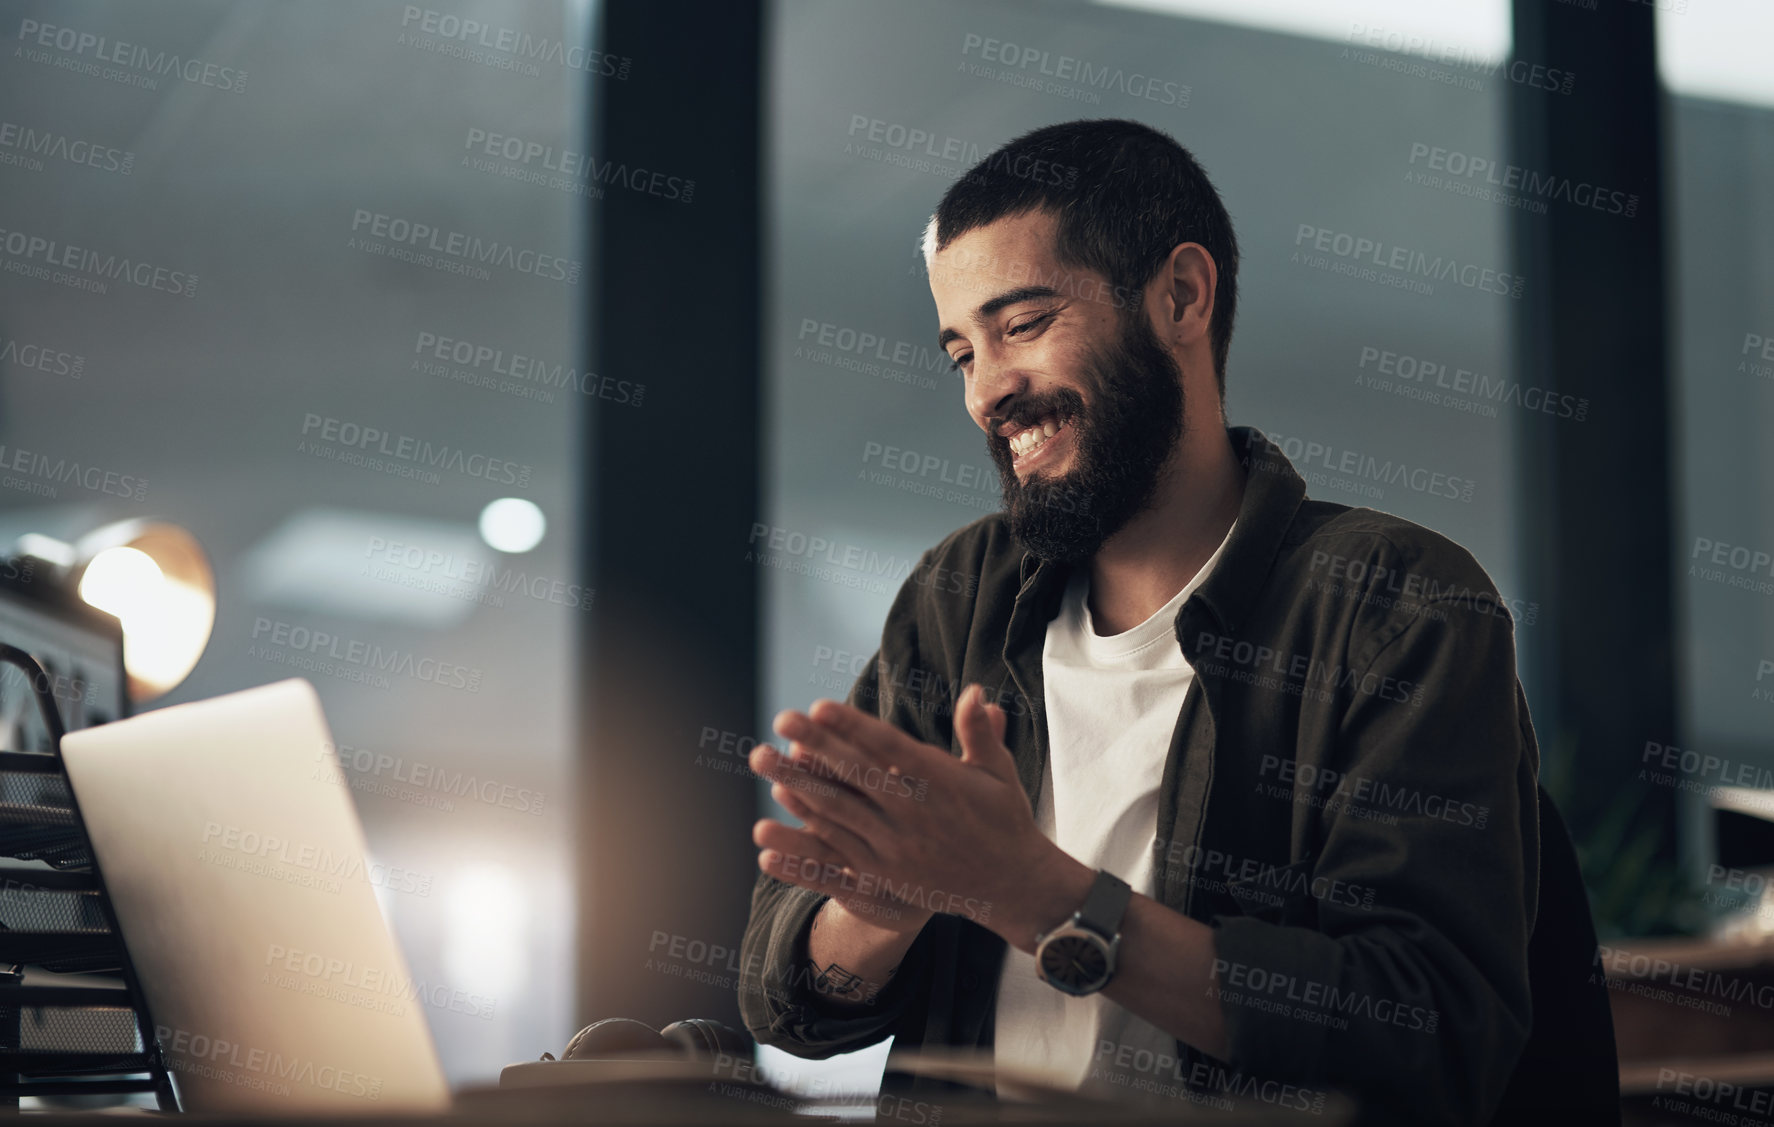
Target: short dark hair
x=1125 y=195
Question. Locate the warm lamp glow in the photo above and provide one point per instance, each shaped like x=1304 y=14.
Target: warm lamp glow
x=165 y=622
x=122 y=581
x=155 y=579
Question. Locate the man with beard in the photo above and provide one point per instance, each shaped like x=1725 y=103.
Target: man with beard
x=1204 y=787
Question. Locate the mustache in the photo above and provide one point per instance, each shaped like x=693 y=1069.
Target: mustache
x=1063 y=405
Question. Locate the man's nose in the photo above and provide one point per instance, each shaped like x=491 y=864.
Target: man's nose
x=991 y=390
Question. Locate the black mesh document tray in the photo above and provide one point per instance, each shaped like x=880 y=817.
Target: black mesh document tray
x=60 y=1038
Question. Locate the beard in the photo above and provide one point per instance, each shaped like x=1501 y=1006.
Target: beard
x=1121 y=442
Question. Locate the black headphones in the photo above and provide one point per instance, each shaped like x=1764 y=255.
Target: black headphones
x=697 y=1039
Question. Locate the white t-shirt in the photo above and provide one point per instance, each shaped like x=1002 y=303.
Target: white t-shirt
x=1112 y=707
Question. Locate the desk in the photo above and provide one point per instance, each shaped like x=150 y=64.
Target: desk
x=703 y=1103
x=608 y=1112
x=1694 y=1022
x=705 y=1092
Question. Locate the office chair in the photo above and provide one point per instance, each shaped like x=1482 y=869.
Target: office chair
x=1569 y=1066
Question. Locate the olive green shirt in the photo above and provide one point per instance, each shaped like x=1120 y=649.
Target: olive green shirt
x=1349 y=801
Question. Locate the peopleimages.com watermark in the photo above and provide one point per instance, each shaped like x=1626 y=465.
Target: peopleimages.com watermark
x=1678 y=984
x=1415 y=593
x=1323 y=463
x=729 y=753
x=945 y=479
x=872 y=354
x=924 y=150
x=529 y=161
x=1440 y=384
x=1450 y=63
x=870 y=886
x=36 y=357
x=217 y=1058
x=1139 y=1068
x=1064 y=76
x=68 y=690
x=1733 y=890
x=42 y=476
x=1707 y=1100
x=130 y=64
x=718 y=965
x=1757 y=347
x=1362 y=796
x=1493 y=181
x=1188 y=865
x=742 y=1078
x=447 y=575
x=850 y=565
x=1686 y=769
x=971 y=267
x=924 y=465
x=1732 y=565
x=27 y=147
x=453 y=252
x=352 y=659
x=401 y=455
x=15 y=891
x=366 y=987
x=301 y=864
x=894 y=684
x=1674 y=7
x=513 y=373
x=1315 y=1003
x=1374 y=260
x=1297 y=674
x=502 y=48
x=836 y=670
x=45 y=259
x=417 y=782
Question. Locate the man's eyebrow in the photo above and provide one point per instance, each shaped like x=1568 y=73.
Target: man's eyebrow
x=992 y=305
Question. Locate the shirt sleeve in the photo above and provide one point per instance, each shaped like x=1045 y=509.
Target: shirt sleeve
x=778 y=1000
x=1414 y=992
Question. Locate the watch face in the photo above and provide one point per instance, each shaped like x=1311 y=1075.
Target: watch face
x=1077 y=964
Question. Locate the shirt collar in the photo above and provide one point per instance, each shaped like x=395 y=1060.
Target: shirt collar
x=1273 y=491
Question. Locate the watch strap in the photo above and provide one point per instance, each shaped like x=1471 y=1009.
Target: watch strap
x=1106 y=904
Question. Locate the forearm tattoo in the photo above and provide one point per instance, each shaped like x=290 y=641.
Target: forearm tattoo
x=848 y=986
x=835 y=981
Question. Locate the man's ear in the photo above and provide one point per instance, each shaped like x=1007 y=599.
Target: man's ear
x=1188 y=280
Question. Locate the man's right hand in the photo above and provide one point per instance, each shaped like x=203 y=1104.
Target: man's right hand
x=806 y=857
x=860 y=934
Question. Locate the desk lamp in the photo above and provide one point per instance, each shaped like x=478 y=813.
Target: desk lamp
x=153 y=576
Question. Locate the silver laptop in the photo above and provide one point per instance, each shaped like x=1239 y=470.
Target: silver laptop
x=237 y=869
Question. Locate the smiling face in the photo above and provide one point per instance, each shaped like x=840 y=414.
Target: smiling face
x=1081 y=404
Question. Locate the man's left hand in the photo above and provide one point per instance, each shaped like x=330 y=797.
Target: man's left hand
x=927 y=828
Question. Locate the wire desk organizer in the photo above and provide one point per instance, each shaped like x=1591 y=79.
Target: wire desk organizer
x=62 y=1040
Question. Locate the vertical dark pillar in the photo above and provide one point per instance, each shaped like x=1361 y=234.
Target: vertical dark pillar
x=1595 y=495
x=671 y=648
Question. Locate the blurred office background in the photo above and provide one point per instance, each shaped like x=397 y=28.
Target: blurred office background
x=723 y=330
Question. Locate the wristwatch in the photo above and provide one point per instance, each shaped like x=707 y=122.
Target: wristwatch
x=1078 y=956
